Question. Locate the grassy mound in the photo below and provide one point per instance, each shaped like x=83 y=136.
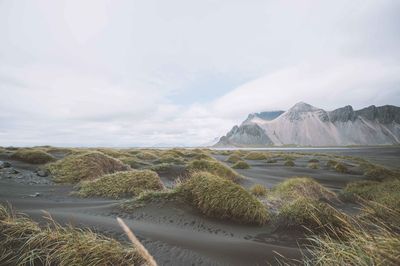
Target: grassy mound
x=121 y=184
x=306 y=187
x=169 y=158
x=365 y=243
x=213 y=167
x=234 y=158
x=255 y=156
x=75 y=168
x=380 y=199
x=272 y=161
x=313 y=160
x=218 y=197
x=23 y=242
x=289 y=163
x=259 y=190
x=377 y=172
x=337 y=166
x=147 y=156
x=305 y=213
x=32 y=156
x=241 y=165
x=313 y=165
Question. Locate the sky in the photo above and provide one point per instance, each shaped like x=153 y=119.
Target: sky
x=149 y=73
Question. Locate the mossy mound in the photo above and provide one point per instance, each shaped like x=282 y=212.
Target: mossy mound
x=23 y=242
x=32 y=156
x=289 y=163
x=241 y=165
x=221 y=198
x=256 y=156
x=303 y=187
x=259 y=190
x=308 y=214
x=87 y=166
x=213 y=167
x=121 y=184
x=234 y=158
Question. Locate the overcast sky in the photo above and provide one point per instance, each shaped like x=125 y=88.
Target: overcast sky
x=182 y=72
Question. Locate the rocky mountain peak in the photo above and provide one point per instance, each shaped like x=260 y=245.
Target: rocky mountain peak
x=301 y=107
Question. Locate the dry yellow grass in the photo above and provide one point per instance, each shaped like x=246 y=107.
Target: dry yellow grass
x=86 y=166
x=121 y=184
x=23 y=242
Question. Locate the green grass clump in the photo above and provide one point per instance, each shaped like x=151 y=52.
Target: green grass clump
x=380 y=199
x=147 y=156
x=331 y=163
x=306 y=213
x=341 y=168
x=221 y=198
x=23 y=242
x=313 y=165
x=377 y=172
x=86 y=166
x=134 y=162
x=241 y=165
x=255 y=156
x=121 y=184
x=365 y=243
x=297 y=187
x=259 y=190
x=213 y=167
x=169 y=158
x=32 y=156
x=337 y=166
x=234 y=158
x=289 y=163
x=313 y=160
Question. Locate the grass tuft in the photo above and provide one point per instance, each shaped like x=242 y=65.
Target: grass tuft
x=305 y=213
x=86 y=166
x=32 y=156
x=213 y=167
x=255 y=156
x=23 y=242
x=313 y=165
x=259 y=190
x=297 y=187
x=234 y=158
x=289 y=163
x=121 y=184
x=218 y=197
x=364 y=243
x=241 y=165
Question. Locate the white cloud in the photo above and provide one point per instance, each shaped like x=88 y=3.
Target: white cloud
x=104 y=72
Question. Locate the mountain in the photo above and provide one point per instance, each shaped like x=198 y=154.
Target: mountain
x=306 y=125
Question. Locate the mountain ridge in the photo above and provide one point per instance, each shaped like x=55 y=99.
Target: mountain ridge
x=307 y=125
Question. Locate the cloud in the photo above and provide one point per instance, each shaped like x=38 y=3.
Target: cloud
x=142 y=73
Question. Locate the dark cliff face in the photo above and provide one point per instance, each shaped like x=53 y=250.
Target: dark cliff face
x=247 y=134
x=384 y=114
x=343 y=114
